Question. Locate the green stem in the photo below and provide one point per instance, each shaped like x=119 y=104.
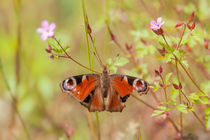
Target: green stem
x=91 y=64
x=179 y=44
x=14 y=101
x=164 y=88
x=148 y=105
x=180 y=100
x=86 y=34
x=188 y=74
x=91 y=126
x=69 y=57
x=98 y=125
x=196 y=116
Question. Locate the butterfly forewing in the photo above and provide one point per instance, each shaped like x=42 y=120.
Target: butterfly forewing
x=80 y=86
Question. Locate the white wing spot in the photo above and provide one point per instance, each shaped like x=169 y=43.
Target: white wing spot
x=83 y=77
x=125 y=78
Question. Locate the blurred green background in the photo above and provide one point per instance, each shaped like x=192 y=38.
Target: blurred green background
x=40 y=102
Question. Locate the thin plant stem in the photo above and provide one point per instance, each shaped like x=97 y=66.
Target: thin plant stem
x=86 y=34
x=185 y=97
x=148 y=105
x=17 y=6
x=179 y=44
x=164 y=88
x=188 y=74
x=96 y=52
x=69 y=57
x=180 y=100
x=14 y=102
x=98 y=125
x=91 y=66
x=174 y=125
x=153 y=108
x=201 y=122
x=91 y=126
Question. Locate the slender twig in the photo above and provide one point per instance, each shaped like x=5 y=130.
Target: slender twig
x=201 y=122
x=17 y=6
x=174 y=125
x=188 y=74
x=185 y=97
x=180 y=99
x=148 y=105
x=86 y=34
x=153 y=108
x=179 y=44
x=164 y=88
x=91 y=126
x=69 y=57
x=91 y=64
x=14 y=101
x=98 y=125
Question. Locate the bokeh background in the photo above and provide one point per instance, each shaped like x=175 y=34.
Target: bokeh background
x=34 y=78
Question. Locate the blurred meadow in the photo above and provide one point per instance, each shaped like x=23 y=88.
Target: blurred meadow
x=33 y=106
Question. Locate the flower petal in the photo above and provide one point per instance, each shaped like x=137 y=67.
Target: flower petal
x=159 y=20
x=161 y=23
x=153 y=23
x=52 y=26
x=45 y=24
x=40 y=30
x=44 y=36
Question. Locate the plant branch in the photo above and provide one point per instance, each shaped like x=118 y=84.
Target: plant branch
x=179 y=44
x=69 y=57
x=148 y=105
x=196 y=116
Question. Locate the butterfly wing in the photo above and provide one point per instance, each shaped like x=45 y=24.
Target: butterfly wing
x=120 y=88
x=85 y=88
x=113 y=102
x=124 y=84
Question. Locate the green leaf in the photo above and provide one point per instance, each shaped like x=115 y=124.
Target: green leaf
x=167 y=77
x=161 y=110
x=168 y=57
x=199 y=98
x=157 y=112
x=207 y=122
x=205 y=86
x=156 y=86
x=109 y=61
x=174 y=94
x=121 y=61
x=207 y=117
x=182 y=108
x=207 y=111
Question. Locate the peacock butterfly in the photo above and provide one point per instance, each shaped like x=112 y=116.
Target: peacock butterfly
x=103 y=92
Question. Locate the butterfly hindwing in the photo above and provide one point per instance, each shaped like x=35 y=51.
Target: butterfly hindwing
x=114 y=103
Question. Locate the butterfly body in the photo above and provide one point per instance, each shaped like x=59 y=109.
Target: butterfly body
x=103 y=92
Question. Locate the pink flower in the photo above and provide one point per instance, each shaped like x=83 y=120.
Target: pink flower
x=156 y=25
x=68 y=130
x=46 y=30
